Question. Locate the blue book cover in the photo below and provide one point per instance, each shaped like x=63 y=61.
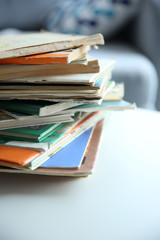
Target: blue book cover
x=72 y=154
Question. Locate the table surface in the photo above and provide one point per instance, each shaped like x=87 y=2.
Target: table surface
x=121 y=200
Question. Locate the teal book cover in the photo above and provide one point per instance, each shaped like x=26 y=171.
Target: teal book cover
x=105 y=105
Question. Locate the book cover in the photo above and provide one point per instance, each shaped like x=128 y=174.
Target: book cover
x=70 y=92
x=61 y=129
x=32 y=70
x=18 y=115
x=57 y=143
x=106 y=66
x=49 y=87
x=7 y=122
x=68 y=128
x=86 y=168
x=71 y=155
x=14 y=156
x=49 y=58
x=37 y=132
x=43 y=147
x=116 y=93
x=33 y=107
x=54 y=94
x=33 y=43
x=105 y=105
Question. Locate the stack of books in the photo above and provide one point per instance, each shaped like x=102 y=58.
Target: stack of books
x=53 y=99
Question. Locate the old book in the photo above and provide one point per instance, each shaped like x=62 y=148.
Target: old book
x=7 y=122
x=17 y=156
x=59 y=143
x=66 y=56
x=59 y=133
x=106 y=66
x=29 y=70
x=72 y=154
x=43 y=147
x=42 y=42
x=26 y=109
x=74 y=101
x=116 y=93
x=57 y=92
x=39 y=108
x=105 y=105
x=49 y=87
x=54 y=136
x=86 y=168
x=18 y=116
x=37 y=133
x=70 y=95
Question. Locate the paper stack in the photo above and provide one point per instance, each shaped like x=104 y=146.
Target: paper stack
x=53 y=99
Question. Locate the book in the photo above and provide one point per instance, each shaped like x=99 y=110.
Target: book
x=67 y=129
x=50 y=89
x=60 y=132
x=68 y=157
x=57 y=95
x=105 y=105
x=43 y=147
x=66 y=56
x=87 y=166
x=116 y=93
x=18 y=116
x=72 y=100
x=37 y=133
x=17 y=157
x=32 y=70
x=71 y=155
x=24 y=109
x=57 y=143
x=33 y=107
x=7 y=122
x=106 y=66
x=57 y=91
x=42 y=42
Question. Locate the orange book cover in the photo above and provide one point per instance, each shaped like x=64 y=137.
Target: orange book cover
x=14 y=156
x=48 y=58
x=44 y=58
x=82 y=122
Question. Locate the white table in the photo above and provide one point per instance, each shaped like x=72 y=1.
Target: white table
x=121 y=200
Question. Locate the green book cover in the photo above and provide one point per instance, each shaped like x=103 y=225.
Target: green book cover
x=60 y=132
x=2 y=140
x=33 y=133
x=24 y=106
x=21 y=109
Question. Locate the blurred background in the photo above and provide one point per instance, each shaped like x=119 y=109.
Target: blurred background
x=130 y=27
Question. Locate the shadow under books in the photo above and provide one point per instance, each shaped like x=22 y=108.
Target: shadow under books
x=11 y=183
